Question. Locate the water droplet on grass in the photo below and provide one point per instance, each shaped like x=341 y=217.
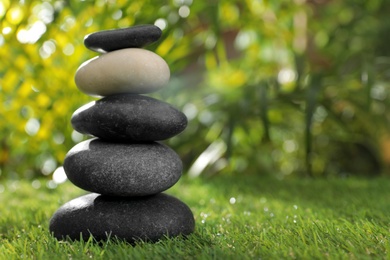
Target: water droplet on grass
x=247 y=213
x=204 y=215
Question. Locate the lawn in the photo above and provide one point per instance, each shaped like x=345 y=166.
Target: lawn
x=244 y=217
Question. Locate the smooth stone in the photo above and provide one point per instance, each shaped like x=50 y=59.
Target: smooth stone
x=135 y=71
x=116 y=39
x=129 y=117
x=148 y=218
x=117 y=169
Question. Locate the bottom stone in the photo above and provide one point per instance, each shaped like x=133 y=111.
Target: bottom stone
x=143 y=218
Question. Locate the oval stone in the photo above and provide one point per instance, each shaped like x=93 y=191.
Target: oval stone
x=131 y=219
x=135 y=71
x=129 y=117
x=117 y=169
x=116 y=39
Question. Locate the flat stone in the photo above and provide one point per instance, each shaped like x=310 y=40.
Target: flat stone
x=129 y=117
x=116 y=39
x=135 y=71
x=148 y=218
x=117 y=169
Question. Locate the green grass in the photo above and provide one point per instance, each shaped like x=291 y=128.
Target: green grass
x=236 y=218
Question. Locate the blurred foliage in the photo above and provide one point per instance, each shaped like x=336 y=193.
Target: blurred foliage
x=280 y=87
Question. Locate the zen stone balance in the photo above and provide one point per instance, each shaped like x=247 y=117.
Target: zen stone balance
x=123 y=165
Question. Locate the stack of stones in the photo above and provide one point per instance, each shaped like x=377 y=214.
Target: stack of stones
x=124 y=165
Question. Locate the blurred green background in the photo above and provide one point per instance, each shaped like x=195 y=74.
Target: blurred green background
x=282 y=88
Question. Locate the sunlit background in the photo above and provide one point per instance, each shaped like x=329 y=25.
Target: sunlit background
x=283 y=88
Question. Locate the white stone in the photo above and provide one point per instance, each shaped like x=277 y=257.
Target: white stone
x=131 y=70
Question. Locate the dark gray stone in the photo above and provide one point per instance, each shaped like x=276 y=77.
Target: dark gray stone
x=129 y=117
x=146 y=218
x=131 y=169
x=116 y=39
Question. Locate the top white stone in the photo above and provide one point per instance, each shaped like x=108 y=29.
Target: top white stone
x=131 y=70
